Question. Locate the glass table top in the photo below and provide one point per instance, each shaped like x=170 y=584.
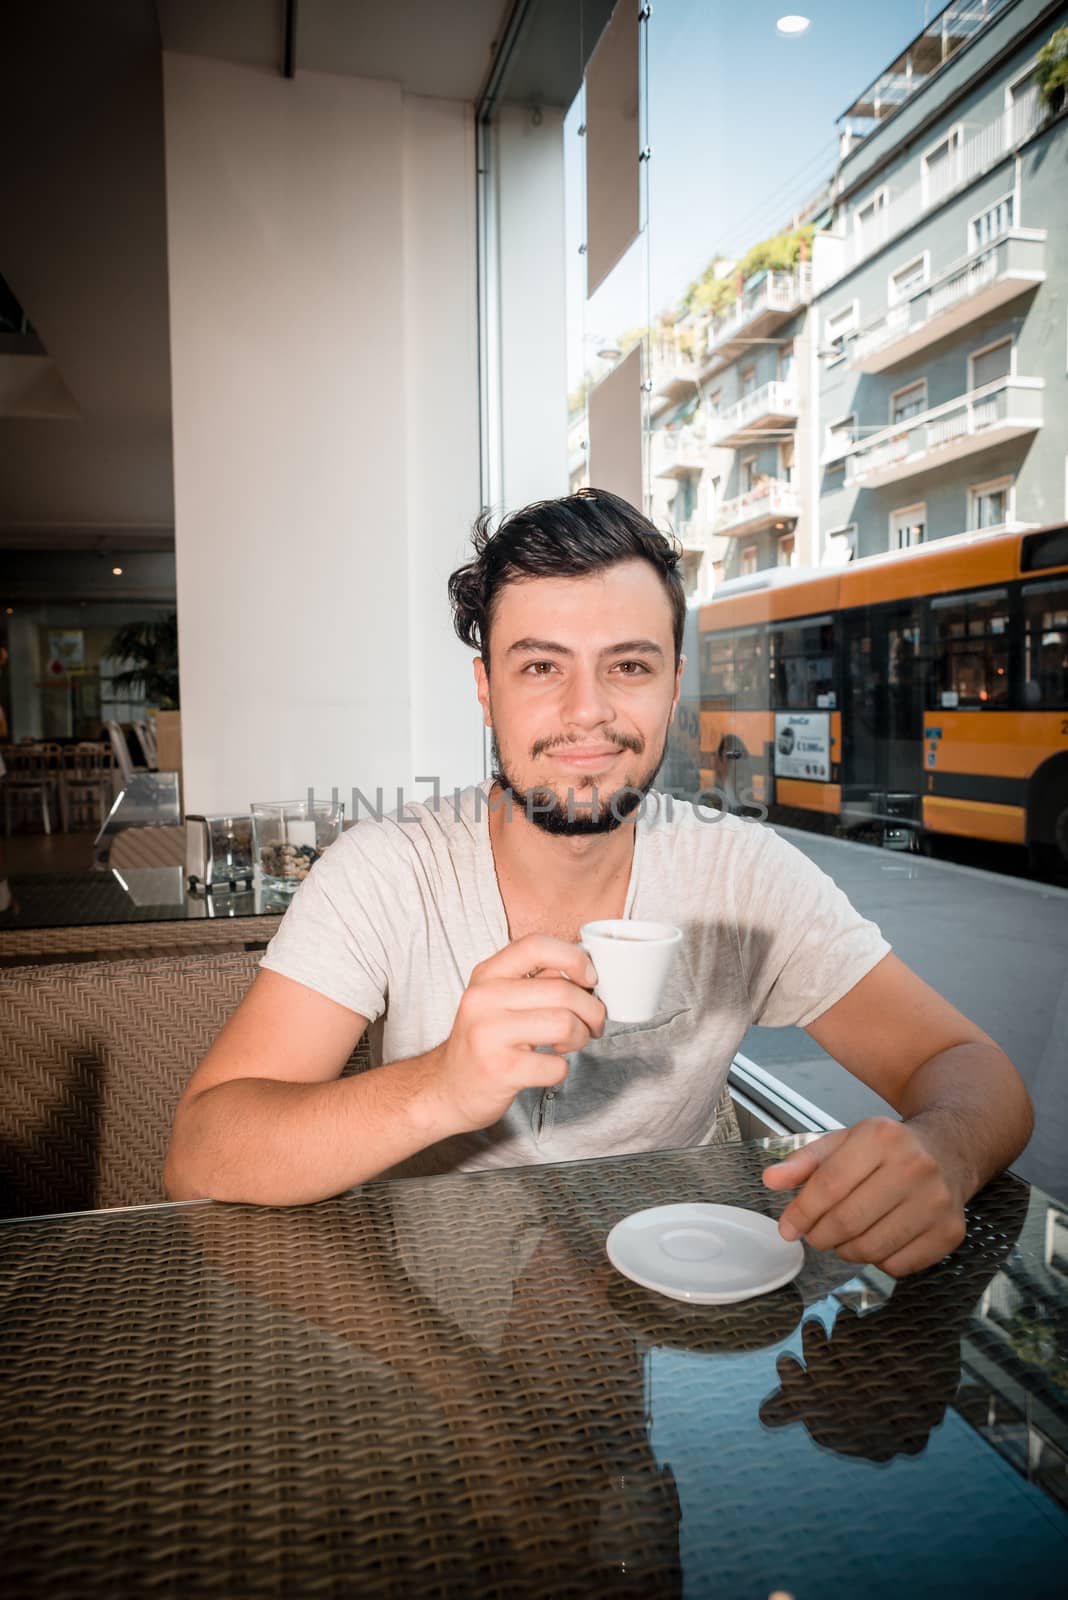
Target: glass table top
x=442 y=1387
x=134 y=894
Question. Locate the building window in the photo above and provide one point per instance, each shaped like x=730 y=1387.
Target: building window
x=992 y=223
x=906 y=280
x=786 y=363
x=991 y=364
x=715 y=400
x=786 y=461
x=747 y=474
x=908 y=402
x=941 y=167
x=869 y=221
x=837 y=325
x=1045 y=684
x=749 y=560
x=786 y=551
x=990 y=504
x=747 y=378
x=1021 y=101
x=908 y=527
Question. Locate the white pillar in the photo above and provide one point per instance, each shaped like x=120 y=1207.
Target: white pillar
x=302 y=406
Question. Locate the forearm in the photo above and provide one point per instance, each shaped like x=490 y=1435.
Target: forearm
x=971 y=1103
x=269 y=1142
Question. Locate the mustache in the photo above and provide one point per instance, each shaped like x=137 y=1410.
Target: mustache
x=622 y=741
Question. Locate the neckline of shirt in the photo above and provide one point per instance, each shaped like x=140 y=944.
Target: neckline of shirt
x=489 y=887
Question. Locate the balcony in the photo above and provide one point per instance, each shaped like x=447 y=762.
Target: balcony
x=756 y=314
x=679 y=452
x=1008 y=408
x=774 y=406
x=986 y=149
x=675 y=373
x=766 y=504
x=1008 y=267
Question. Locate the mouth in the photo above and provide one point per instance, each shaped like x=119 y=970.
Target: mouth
x=578 y=758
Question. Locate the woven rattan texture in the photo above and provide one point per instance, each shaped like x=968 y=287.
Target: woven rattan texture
x=105 y=940
x=94 y=1059
x=419 y=1389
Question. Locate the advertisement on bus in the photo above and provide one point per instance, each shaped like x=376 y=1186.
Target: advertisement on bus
x=803 y=745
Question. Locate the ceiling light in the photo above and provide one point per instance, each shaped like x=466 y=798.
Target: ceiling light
x=116 y=572
x=10 y=610
x=794 y=24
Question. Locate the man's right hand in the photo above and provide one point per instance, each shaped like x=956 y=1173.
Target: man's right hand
x=533 y=992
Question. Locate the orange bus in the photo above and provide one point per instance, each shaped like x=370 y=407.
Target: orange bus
x=923 y=692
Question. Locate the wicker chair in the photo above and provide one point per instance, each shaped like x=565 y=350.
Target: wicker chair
x=94 y=1058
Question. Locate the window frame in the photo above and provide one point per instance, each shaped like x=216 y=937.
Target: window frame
x=877 y=202
x=1007 y=482
x=743 y=463
x=967 y=599
x=954 y=135
x=784 y=538
x=893 y=298
x=850 y=308
x=916 y=383
x=985 y=350
x=747 y=550
x=918 y=513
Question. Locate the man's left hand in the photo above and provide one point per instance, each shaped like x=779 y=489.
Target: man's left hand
x=878 y=1192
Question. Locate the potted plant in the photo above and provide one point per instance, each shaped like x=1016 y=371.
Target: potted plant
x=1051 y=73
x=151 y=646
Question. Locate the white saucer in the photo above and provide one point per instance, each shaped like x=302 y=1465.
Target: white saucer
x=706 y=1254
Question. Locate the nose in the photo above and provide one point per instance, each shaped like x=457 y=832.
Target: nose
x=587 y=703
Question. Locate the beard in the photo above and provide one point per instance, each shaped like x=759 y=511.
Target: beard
x=579 y=816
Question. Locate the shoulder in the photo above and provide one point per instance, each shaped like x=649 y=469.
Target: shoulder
x=742 y=852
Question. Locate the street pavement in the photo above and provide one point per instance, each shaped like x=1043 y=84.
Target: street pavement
x=997 y=947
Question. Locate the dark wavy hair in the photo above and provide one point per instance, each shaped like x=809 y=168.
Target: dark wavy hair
x=566 y=538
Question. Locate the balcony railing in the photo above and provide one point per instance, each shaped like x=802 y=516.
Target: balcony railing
x=968 y=161
x=773 y=500
x=1003 y=269
x=777 y=296
x=771 y=405
x=1008 y=408
x=679 y=451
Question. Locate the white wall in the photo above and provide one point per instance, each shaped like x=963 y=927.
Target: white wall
x=326 y=465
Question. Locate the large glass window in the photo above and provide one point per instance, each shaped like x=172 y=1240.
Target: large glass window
x=971 y=649
x=802 y=664
x=1045 y=645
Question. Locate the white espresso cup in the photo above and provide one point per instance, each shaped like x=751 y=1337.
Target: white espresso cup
x=632 y=960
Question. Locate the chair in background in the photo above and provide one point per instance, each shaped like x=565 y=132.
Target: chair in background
x=146 y=736
x=87 y=780
x=33 y=776
x=121 y=751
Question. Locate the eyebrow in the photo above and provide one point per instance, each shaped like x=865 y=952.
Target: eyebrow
x=629 y=647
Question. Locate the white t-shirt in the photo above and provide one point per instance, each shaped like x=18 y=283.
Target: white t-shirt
x=395 y=916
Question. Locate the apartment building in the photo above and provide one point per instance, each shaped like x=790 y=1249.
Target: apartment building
x=731 y=424
x=939 y=293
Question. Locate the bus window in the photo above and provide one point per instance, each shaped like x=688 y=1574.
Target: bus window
x=751 y=670
x=717 y=667
x=971 y=650
x=1045 y=645
x=802 y=664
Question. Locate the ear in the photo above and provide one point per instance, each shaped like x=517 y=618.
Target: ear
x=678 y=688
x=482 y=689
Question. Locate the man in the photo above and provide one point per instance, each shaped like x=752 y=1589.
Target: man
x=454 y=930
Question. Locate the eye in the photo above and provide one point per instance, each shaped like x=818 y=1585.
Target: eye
x=632 y=669
x=534 y=668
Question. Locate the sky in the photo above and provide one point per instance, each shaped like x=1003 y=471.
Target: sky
x=741 y=123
